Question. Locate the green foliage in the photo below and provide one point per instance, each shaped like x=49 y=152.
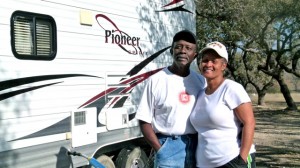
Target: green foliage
x=262 y=38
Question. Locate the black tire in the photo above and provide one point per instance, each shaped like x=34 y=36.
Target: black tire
x=132 y=158
x=106 y=161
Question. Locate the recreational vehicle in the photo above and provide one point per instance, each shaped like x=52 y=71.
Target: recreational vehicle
x=72 y=73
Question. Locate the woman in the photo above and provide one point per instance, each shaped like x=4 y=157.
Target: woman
x=222 y=116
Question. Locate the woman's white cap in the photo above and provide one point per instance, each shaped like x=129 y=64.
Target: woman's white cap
x=217 y=47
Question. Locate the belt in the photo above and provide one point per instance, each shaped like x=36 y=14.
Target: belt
x=160 y=135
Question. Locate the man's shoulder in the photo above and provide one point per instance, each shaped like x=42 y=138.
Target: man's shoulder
x=159 y=74
x=197 y=76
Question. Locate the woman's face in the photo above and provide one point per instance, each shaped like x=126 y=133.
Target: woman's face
x=212 y=65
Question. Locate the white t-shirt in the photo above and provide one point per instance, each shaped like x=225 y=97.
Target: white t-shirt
x=217 y=125
x=168 y=100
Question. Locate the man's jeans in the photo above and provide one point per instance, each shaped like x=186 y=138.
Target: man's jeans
x=176 y=151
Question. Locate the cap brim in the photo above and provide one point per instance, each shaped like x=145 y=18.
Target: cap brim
x=211 y=48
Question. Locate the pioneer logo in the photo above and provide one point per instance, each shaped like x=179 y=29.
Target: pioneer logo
x=117 y=37
x=114 y=35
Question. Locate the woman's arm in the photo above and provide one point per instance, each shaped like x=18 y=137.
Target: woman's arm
x=245 y=114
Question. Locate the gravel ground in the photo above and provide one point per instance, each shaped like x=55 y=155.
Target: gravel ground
x=277 y=136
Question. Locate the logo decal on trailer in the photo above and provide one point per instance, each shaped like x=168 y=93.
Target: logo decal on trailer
x=119 y=101
x=174 y=5
x=113 y=35
x=131 y=44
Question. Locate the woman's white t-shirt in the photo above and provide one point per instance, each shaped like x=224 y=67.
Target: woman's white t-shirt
x=217 y=125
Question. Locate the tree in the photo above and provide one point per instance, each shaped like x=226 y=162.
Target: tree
x=261 y=36
x=278 y=40
x=230 y=22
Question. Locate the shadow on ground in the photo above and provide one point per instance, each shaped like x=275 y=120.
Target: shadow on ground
x=277 y=137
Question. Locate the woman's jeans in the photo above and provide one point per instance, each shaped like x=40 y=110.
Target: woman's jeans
x=238 y=162
x=176 y=151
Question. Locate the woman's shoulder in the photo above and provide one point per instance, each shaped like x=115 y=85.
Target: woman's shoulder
x=228 y=83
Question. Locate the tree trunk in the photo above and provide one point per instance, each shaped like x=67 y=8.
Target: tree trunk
x=261 y=98
x=286 y=94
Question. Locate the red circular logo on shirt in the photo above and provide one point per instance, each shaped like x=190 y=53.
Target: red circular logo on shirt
x=184 y=97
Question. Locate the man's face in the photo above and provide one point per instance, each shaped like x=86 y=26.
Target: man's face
x=183 y=52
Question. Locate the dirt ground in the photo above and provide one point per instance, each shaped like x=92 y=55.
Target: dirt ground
x=277 y=133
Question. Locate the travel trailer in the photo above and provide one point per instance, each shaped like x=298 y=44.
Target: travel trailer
x=72 y=73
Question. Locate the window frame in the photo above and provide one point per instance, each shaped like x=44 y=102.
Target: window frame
x=35 y=20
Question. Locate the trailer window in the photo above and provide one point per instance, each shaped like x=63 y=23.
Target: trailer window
x=33 y=36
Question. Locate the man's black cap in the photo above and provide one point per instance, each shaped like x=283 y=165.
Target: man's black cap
x=185 y=35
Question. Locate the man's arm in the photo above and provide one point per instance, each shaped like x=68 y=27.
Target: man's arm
x=150 y=135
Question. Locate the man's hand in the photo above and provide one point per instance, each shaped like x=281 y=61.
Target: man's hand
x=150 y=135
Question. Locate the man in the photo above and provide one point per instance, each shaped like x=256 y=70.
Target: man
x=166 y=104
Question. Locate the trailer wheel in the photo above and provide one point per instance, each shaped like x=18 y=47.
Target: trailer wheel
x=135 y=158
x=106 y=161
